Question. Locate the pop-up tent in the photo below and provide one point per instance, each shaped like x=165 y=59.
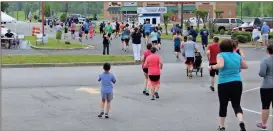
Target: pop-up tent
x=5 y=18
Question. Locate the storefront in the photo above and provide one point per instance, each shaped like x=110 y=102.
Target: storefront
x=151 y=14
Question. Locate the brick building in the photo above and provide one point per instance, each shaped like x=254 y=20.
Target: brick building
x=122 y=11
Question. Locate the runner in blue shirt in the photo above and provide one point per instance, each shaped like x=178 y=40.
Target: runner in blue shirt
x=204 y=35
x=86 y=29
x=147 y=30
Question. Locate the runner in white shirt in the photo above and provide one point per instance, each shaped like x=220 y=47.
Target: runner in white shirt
x=114 y=28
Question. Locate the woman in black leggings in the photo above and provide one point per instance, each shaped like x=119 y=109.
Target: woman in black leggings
x=266 y=91
x=230 y=85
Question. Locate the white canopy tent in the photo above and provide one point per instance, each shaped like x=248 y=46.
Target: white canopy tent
x=5 y=18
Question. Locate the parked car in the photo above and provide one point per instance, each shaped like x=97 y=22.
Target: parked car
x=227 y=23
x=78 y=18
x=258 y=22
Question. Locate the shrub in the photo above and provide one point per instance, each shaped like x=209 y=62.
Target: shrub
x=242 y=38
x=35 y=17
x=271 y=35
x=63 y=17
x=216 y=32
x=229 y=32
x=197 y=30
x=222 y=32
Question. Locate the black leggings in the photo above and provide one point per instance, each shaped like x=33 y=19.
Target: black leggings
x=266 y=97
x=231 y=91
x=105 y=47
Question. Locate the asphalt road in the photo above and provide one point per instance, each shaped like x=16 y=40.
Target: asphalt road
x=68 y=99
x=167 y=53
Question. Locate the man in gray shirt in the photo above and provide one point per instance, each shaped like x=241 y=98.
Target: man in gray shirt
x=189 y=48
x=266 y=71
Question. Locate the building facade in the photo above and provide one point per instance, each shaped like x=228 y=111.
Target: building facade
x=127 y=11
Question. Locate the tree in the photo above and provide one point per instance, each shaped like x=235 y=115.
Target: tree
x=63 y=17
x=197 y=15
x=26 y=10
x=204 y=16
x=47 y=9
x=218 y=13
x=166 y=18
x=4 y=6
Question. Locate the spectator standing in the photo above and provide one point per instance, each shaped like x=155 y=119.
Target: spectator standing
x=265 y=30
x=136 y=40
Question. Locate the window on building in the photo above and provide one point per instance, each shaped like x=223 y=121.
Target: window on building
x=147 y=20
x=154 y=21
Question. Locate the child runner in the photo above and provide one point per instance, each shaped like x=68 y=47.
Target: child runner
x=212 y=52
x=177 y=43
x=65 y=32
x=80 y=33
x=123 y=45
x=154 y=65
x=159 y=38
x=182 y=48
x=92 y=31
x=106 y=79
x=154 y=38
x=72 y=29
x=145 y=70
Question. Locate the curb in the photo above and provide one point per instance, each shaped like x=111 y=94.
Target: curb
x=64 y=64
x=44 y=48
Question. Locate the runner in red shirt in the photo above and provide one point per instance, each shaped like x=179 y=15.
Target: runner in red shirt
x=212 y=52
x=145 y=70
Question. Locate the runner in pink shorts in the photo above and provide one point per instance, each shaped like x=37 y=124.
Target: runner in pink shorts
x=154 y=64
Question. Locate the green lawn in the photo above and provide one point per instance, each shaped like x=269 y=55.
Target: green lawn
x=53 y=43
x=21 y=16
x=32 y=59
x=198 y=39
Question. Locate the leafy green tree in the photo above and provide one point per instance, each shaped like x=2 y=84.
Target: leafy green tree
x=4 y=6
x=218 y=13
x=166 y=19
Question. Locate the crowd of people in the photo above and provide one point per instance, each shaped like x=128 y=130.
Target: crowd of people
x=226 y=60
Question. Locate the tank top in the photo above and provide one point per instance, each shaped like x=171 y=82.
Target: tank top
x=146 y=54
x=177 y=42
x=153 y=64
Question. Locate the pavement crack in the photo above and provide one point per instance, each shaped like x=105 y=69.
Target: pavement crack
x=127 y=97
x=52 y=95
x=38 y=98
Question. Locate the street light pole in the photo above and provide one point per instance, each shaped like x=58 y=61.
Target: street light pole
x=43 y=18
x=182 y=15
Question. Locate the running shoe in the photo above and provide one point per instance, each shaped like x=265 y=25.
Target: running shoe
x=190 y=74
x=106 y=115
x=242 y=126
x=153 y=97
x=101 y=114
x=156 y=95
x=261 y=125
x=221 y=129
x=144 y=92
x=147 y=93
x=212 y=88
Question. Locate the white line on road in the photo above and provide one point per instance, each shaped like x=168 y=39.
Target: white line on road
x=252 y=111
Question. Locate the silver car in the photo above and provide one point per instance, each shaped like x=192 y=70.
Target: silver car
x=227 y=23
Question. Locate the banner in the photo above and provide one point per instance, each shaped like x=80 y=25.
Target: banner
x=151 y=10
x=129 y=3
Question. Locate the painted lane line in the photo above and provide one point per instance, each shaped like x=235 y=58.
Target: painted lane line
x=252 y=111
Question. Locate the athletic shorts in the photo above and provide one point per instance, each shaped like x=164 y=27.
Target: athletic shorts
x=107 y=96
x=204 y=42
x=154 y=78
x=80 y=35
x=213 y=72
x=127 y=41
x=114 y=31
x=177 y=49
x=159 y=40
x=122 y=39
x=189 y=60
x=73 y=31
x=117 y=30
x=86 y=32
x=266 y=97
x=154 y=41
x=147 y=33
x=145 y=70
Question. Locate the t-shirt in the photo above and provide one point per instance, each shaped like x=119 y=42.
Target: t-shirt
x=122 y=26
x=231 y=70
x=58 y=27
x=86 y=27
x=65 y=29
x=154 y=36
x=105 y=39
x=189 y=48
x=177 y=42
x=73 y=26
x=126 y=33
x=204 y=34
x=153 y=62
x=147 y=28
x=106 y=82
x=265 y=29
x=214 y=51
x=108 y=28
x=145 y=55
x=113 y=26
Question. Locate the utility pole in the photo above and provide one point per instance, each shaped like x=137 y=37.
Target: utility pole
x=262 y=9
x=43 y=18
x=85 y=9
x=241 y=10
x=182 y=15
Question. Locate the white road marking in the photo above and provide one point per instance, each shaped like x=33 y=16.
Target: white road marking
x=252 y=111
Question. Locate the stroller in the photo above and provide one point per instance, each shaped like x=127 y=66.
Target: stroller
x=197 y=65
